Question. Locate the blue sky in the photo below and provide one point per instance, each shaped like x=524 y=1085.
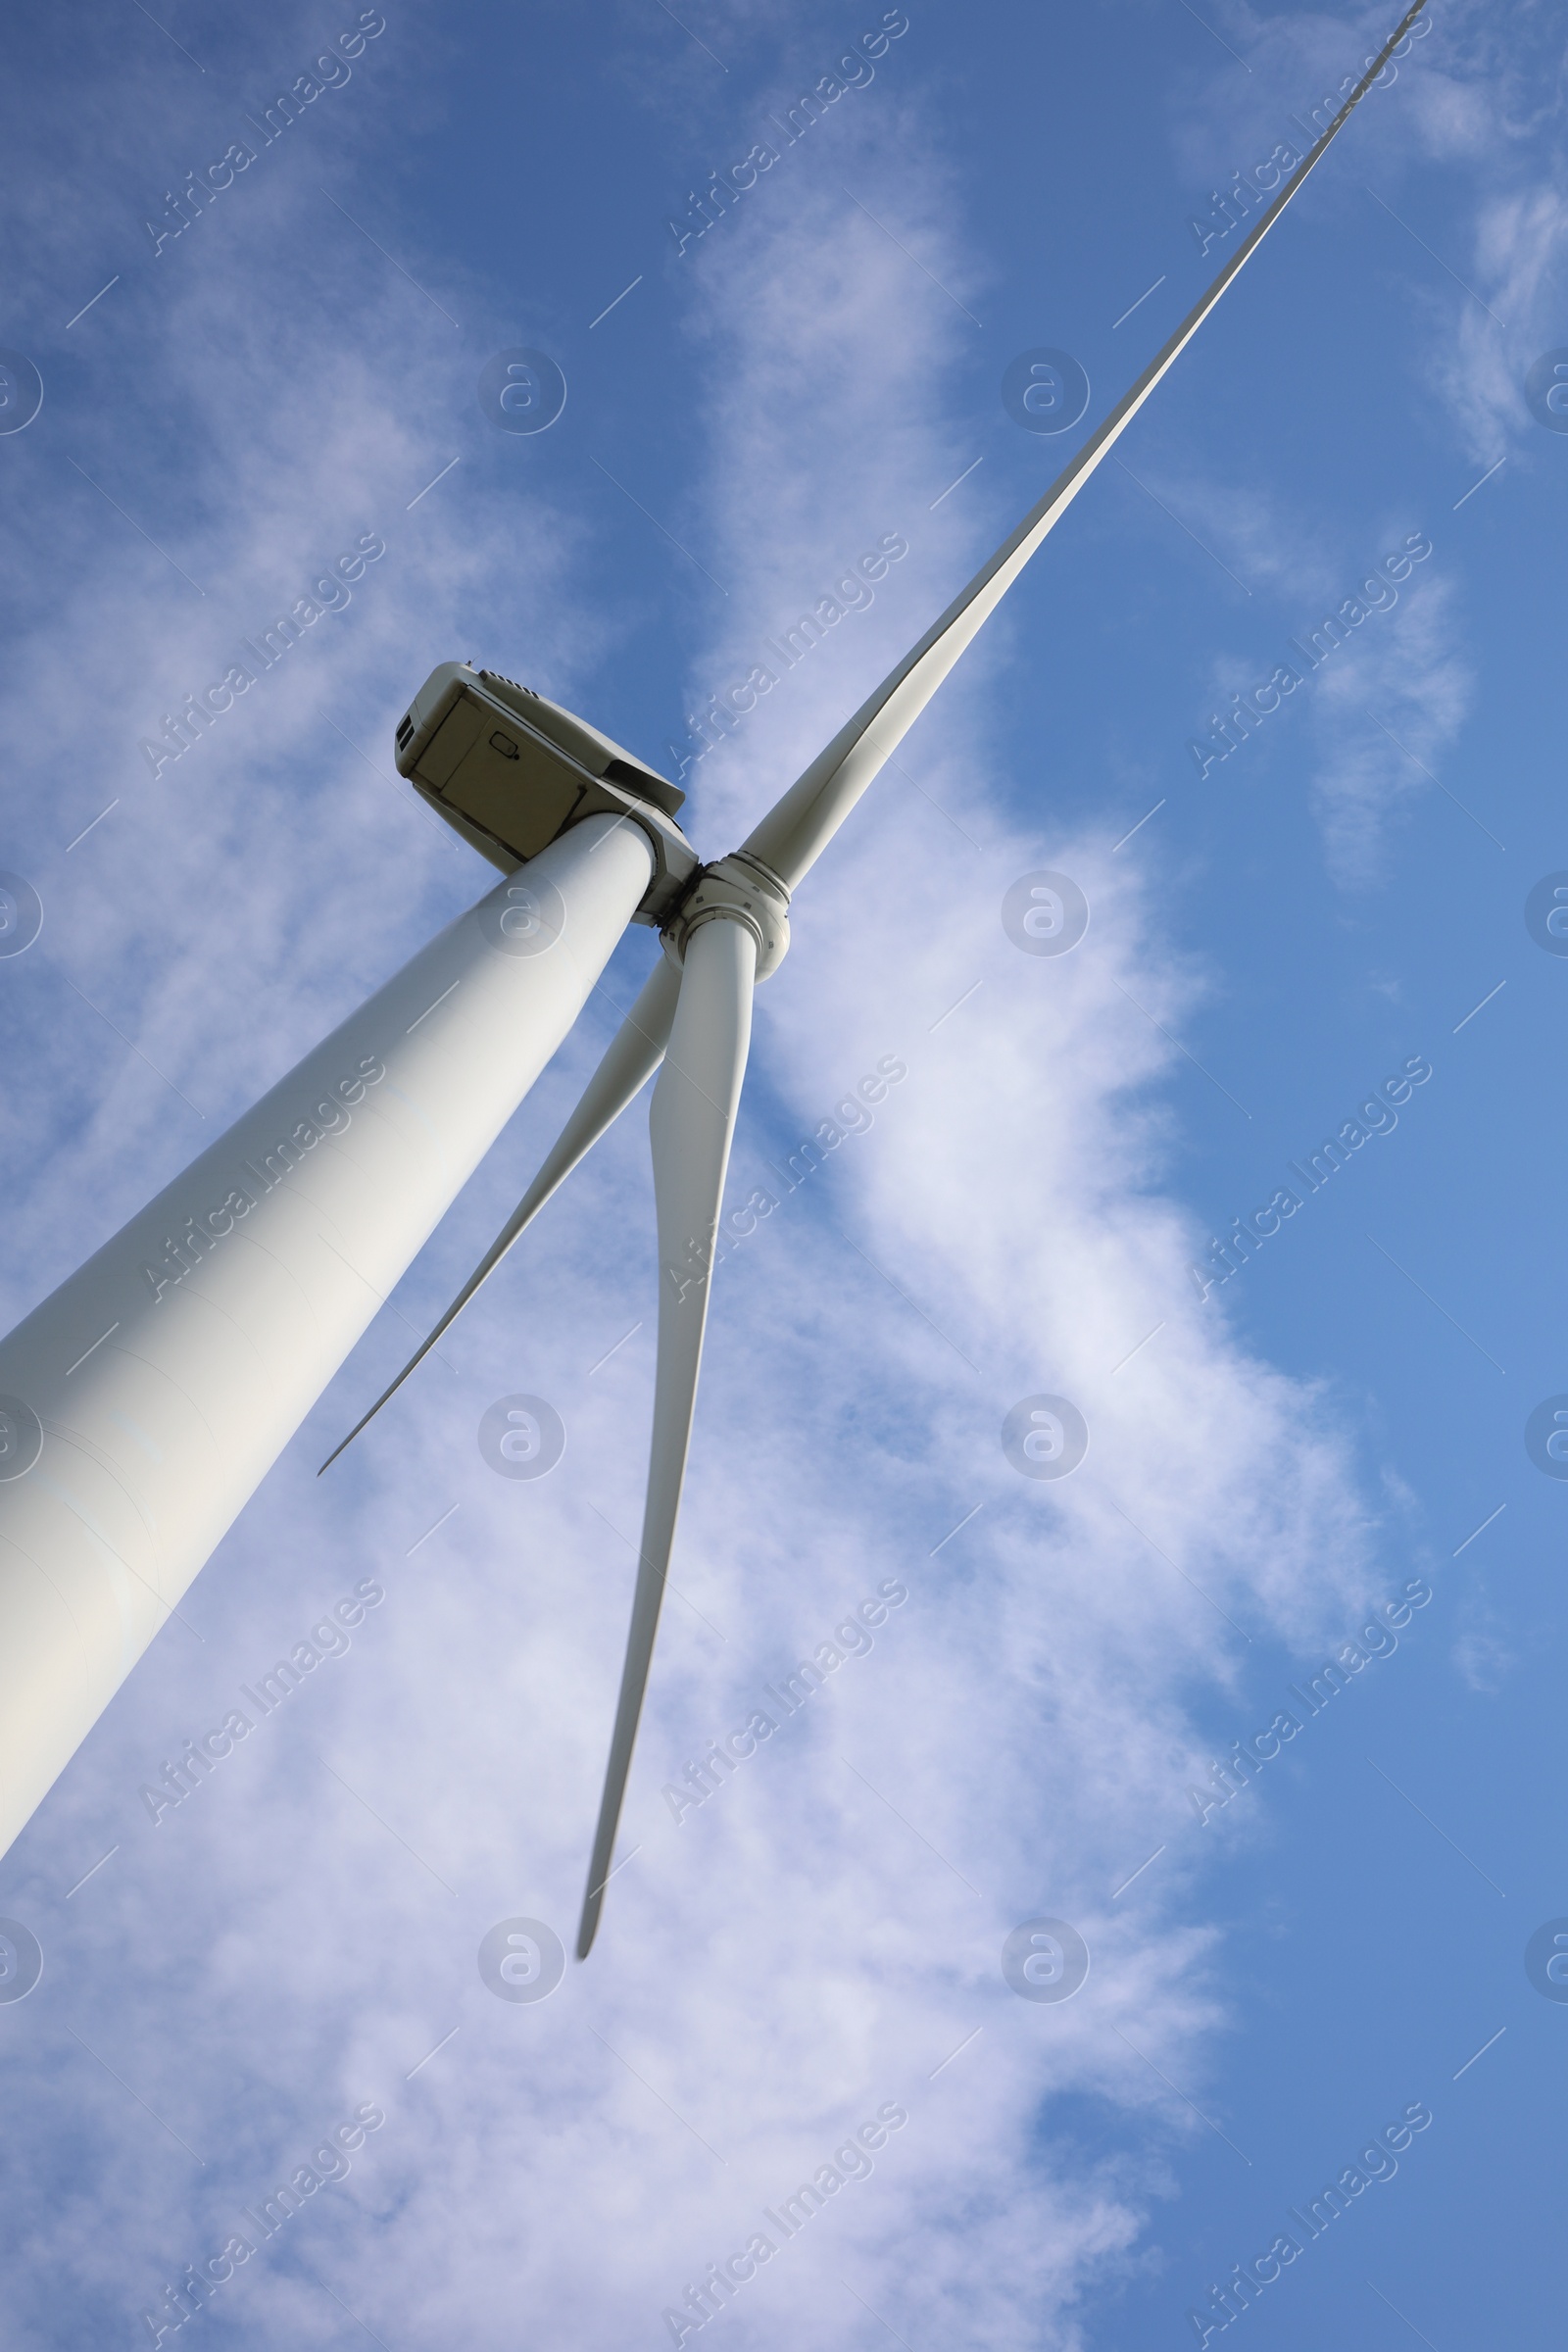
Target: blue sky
x=1339 y=900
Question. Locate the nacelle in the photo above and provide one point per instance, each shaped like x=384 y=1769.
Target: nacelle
x=510 y=772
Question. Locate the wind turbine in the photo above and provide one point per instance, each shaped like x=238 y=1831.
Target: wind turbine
x=144 y=1400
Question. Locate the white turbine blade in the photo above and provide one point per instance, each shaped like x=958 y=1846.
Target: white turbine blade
x=798 y=827
x=634 y=1053
x=691 y=1122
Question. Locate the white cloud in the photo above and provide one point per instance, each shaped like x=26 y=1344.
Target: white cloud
x=1483 y=299
x=1383 y=708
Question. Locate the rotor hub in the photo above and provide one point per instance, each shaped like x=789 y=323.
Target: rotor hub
x=738 y=889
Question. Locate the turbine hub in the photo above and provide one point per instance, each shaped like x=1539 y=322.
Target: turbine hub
x=738 y=889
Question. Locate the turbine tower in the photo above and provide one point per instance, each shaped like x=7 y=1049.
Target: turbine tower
x=143 y=1401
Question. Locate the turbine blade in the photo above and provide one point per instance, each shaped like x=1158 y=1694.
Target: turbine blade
x=691 y=1122
x=634 y=1053
x=798 y=827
